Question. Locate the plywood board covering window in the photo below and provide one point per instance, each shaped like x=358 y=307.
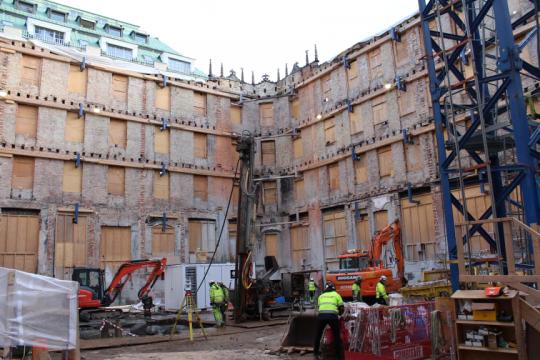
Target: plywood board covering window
x=26 y=121
x=267 y=114
x=268 y=153
x=199 y=103
x=330 y=131
x=326 y=86
x=161 y=186
x=202 y=235
x=236 y=115
x=23 y=173
x=333 y=177
x=161 y=141
x=299 y=191
x=379 y=110
x=401 y=50
x=406 y=102
x=381 y=220
x=77 y=80
x=115 y=246
x=200 y=145
x=355 y=120
x=417 y=228
x=74 y=130
x=72 y=180
x=200 y=187
x=163 y=242
x=295 y=109
x=375 y=63
x=19 y=242
x=386 y=166
x=118 y=133
x=163 y=98
x=300 y=245
x=352 y=72
x=116 y=180
x=360 y=169
x=71 y=241
x=120 y=87
x=413 y=156
x=270 y=192
x=31 y=70
x=271 y=242
x=335 y=233
x=363 y=235
x=298 y=148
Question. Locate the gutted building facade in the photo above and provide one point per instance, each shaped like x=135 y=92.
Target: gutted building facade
x=106 y=158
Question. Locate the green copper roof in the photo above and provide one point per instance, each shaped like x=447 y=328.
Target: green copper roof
x=153 y=46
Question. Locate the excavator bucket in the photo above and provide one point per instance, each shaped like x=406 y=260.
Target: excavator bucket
x=302 y=328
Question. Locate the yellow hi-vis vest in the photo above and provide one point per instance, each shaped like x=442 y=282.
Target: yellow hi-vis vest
x=311 y=286
x=380 y=291
x=216 y=294
x=329 y=302
x=355 y=288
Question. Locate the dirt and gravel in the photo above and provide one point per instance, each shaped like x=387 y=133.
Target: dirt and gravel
x=255 y=343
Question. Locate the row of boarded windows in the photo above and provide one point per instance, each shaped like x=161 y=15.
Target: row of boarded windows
x=23 y=179
x=26 y=125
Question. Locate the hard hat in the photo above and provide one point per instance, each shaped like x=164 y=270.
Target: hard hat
x=330 y=286
x=310 y=279
x=383 y=278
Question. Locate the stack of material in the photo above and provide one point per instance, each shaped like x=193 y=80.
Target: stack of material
x=37 y=311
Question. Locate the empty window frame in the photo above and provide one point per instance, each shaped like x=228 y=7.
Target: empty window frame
x=298 y=147
x=161 y=185
x=163 y=98
x=30 y=70
x=375 y=64
x=355 y=120
x=386 y=165
x=379 y=110
x=236 y=114
x=77 y=80
x=360 y=169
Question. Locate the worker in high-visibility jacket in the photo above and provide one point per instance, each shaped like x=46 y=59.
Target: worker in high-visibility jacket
x=357 y=289
x=226 y=300
x=312 y=288
x=217 y=297
x=381 y=296
x=330 y=306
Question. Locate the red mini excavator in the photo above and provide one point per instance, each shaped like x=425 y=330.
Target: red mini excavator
x=92 y=292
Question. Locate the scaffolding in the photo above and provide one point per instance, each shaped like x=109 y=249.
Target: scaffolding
x=484 y=135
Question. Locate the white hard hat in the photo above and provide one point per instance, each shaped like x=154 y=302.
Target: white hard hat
x=383 y=278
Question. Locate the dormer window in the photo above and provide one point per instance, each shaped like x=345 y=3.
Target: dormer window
x=114 y=30
x=25 y=6
x=56 y=15
x=140 y=38
x=88 y=24
x=179 y=66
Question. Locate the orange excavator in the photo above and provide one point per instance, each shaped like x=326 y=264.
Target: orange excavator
x=92 y=292
x=369 y=265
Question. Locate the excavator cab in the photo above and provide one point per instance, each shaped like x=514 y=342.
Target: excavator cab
x=92 y=282
x=353 y=262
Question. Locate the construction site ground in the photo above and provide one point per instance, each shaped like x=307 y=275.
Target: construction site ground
x=250 y=341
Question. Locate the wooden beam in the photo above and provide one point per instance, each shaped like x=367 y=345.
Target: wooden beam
x=533 y=294
x=499 y=278
x=530 y=314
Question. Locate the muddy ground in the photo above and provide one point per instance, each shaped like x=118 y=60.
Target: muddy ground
x=256 y=343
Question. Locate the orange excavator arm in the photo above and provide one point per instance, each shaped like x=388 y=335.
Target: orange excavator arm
x=389 y=232
x=125 y=272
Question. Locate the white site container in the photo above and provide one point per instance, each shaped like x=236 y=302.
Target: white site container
x=179 y=278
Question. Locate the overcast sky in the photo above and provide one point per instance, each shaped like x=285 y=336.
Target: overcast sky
x=255 y=35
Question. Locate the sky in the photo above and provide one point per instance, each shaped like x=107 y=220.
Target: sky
x=258 y=36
